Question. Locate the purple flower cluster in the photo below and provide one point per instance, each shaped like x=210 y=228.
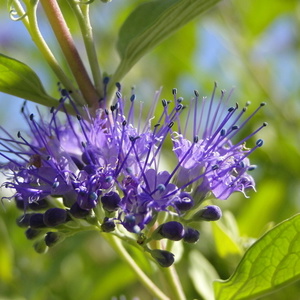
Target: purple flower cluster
x=112 y=160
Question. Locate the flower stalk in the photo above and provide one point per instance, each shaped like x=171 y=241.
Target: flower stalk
x=72 y=56
x=29 y=19
x=143 y=278
x=82 y=14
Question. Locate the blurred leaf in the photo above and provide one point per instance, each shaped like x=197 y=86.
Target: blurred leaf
x=149 y=24
x=6 y=255
x=257 y=20
x=265 y=204
x=19 y=80
x=270 y=263
x=225 y=237
x=202 y=274
x=113 y=282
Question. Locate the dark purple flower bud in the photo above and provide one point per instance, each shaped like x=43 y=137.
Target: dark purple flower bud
x=40 y=247
x=191 y=235
x=19 y=202
x=55 y=216
x=37 y=221
x=78 y=212
x=208 y=213
x=163 y=257
x=88 y=157
x=111 y=201
x=38 y=205
x=172 y=230
x=108 y=225
x=185 y=202
x=52 y=238
x=77 y=162
x=32 y=233
x=23 y=221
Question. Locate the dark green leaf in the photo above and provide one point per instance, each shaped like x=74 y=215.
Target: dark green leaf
x=19 y=80
x=271 y=263
x=150 y=23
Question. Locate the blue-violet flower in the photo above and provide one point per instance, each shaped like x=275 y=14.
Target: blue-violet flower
x=114 y=157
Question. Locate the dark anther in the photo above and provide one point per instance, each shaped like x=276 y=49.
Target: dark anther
x=251 y=168
x=174 y=91
x=124 y=123
x=55 y=185
x=106 y=80
x=179 y=107
x=259 y=143
x=171 y=124
x=119 y=95
x=132 y=98
x=78 y=117
x=196 y=93
x=164 y=102
x=64 y=92
x=118 y=85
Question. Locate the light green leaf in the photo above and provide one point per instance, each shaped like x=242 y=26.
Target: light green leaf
x=202 y=274
x=19 y=80
x=271 y=263
x=224 y=237
x=149 y=24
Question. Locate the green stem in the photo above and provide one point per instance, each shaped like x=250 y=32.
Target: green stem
x=121 y=251
x=82 y=15
x=72 y=56
x=174 y=283
x=30 y=22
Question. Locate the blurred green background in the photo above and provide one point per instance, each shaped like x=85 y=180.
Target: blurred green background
x=251 y=45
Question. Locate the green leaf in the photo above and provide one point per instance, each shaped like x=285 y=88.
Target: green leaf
x=272 y=262
x=19 y=80
x=226 y=240
x=149 y=24
x=202 y=274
